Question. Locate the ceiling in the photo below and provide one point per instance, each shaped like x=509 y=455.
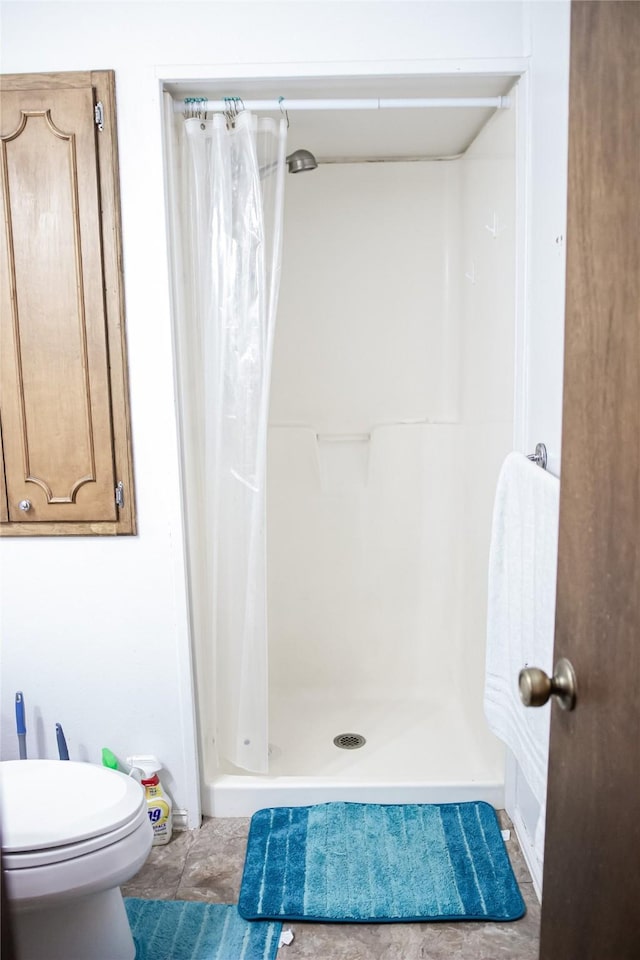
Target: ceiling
x=334 y=135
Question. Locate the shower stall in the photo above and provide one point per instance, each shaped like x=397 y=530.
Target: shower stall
x=391 y=408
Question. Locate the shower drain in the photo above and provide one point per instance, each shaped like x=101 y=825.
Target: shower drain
x=349 y=741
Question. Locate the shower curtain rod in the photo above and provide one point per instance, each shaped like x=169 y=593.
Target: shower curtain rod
x=195 y=103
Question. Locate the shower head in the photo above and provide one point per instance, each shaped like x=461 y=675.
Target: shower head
x=301 y=160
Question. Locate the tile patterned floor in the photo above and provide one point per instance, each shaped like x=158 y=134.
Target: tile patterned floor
x=207 y=864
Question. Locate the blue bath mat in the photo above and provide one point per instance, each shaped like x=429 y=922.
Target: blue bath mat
x=359 y=862
x=192 y=930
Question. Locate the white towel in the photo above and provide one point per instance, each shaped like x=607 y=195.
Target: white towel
x=521 y=612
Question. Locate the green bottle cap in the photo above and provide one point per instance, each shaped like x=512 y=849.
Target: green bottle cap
x=109 y=759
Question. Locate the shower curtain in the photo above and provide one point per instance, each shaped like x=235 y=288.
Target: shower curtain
x=234 y=194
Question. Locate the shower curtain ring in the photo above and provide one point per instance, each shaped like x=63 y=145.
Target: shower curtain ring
x=194 y=108
x=283 y=110
x=231 y=109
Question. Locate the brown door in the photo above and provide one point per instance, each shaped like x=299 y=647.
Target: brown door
x=591 y=896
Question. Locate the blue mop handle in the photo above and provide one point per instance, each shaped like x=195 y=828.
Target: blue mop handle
x=62 y=743
x=21 y=726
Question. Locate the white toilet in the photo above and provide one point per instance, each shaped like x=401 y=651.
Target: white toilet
x=71 y=834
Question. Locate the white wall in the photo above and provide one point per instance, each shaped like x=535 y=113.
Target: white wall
x=95 y=631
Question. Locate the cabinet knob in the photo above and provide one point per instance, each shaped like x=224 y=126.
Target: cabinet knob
x=25 y=505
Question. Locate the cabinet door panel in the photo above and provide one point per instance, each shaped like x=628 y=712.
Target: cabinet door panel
x=58 y=444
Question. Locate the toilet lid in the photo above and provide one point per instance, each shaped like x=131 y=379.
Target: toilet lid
x=49 y=803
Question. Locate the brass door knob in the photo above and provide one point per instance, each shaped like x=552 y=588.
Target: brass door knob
x=536 y=687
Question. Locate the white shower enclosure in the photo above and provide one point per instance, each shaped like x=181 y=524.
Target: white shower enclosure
x=391 y=410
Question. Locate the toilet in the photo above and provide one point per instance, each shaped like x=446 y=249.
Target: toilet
x=71 y=834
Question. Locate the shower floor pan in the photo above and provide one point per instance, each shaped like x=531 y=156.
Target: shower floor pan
x=415 y=752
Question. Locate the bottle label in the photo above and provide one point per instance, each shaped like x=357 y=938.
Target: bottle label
x=158 y=815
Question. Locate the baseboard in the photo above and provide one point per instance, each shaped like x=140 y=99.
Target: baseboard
x=528 y=851
x=180 y=819
x=518 y=797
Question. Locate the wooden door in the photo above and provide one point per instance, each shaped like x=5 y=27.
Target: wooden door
x=63 y=397
x=591 y=893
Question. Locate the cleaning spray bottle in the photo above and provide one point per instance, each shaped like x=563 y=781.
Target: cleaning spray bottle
x=158 y=803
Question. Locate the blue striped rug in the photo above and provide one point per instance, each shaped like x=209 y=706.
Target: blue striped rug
x=359 y=862
x=192 y=930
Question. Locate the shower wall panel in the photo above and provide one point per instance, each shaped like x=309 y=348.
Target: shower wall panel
x=363 y=489
x=362 y=322
x=487 y=362
x=361 y=582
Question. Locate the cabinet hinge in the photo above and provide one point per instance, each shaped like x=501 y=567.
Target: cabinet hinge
x=120 y=494
x=98 y=115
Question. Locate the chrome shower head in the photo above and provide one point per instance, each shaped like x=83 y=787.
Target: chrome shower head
x=301 y=160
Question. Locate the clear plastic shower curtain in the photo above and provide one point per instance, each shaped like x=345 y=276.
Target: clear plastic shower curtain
x=235 y=199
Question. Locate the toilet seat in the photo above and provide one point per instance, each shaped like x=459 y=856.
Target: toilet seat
x=58 y=854
x=59 y=810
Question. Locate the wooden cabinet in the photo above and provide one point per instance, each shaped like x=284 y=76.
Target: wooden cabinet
x=66 y=449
